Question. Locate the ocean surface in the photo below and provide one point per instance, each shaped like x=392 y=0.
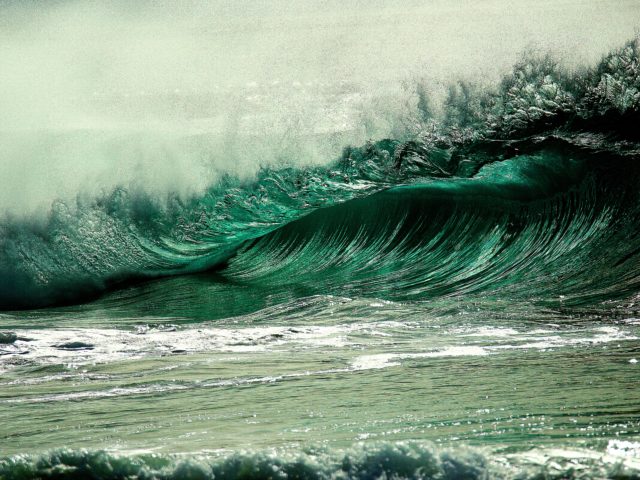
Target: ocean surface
x=461 y=302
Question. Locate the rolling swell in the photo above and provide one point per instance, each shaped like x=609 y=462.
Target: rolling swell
x=528 y=190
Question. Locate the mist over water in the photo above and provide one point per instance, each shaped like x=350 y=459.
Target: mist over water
x=165 y=97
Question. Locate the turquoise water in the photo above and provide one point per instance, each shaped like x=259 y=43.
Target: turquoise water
x=462 y=304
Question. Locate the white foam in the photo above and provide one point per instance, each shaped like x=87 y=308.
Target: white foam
x=108 y=345
x=385 y=360
x=368 y=362
x=76 y=347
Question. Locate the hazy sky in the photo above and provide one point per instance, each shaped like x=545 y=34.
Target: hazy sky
x=54 y=48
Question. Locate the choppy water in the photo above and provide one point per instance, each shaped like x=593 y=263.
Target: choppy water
x=460 y=305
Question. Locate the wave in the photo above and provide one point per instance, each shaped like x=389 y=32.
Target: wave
x=528 y=227
x=402 y=460
x=527 y=190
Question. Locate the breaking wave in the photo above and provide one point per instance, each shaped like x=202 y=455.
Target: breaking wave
x=403 y=460
x=528 y=190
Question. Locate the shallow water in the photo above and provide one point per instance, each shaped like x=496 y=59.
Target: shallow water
x=328 y=372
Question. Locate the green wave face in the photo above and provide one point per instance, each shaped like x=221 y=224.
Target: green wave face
x=526 y=228
x=552 y=224
x=551 y=228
